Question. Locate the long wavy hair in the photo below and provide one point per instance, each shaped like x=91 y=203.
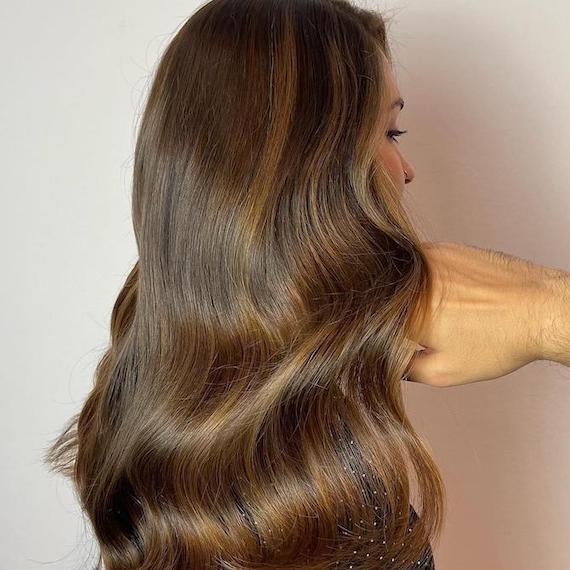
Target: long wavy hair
x=248 y=411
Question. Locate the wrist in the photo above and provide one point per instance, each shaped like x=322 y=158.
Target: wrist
x=554 y=335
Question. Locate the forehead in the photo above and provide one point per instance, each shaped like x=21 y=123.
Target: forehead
x=390 y=80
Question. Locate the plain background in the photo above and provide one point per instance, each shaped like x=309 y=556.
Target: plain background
x=488 y=112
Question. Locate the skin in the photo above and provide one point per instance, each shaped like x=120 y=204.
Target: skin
x=556 y=343
x=491 y=312
x=390 y=153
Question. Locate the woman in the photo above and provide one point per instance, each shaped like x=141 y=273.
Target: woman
x=248 y=412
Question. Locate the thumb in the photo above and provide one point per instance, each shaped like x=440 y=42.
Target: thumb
x=425 y=367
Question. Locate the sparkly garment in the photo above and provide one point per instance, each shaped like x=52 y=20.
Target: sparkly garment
x=425 y=563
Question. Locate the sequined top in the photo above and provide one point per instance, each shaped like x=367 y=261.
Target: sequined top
x=425 y=563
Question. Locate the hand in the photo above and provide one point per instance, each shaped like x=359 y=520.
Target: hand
x=488 y=310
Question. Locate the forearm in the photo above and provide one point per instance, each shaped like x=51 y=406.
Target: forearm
x=555 y=334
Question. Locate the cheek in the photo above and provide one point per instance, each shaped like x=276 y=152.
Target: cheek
x=392 y=162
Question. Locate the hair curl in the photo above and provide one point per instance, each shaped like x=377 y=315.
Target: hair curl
x=248 y=410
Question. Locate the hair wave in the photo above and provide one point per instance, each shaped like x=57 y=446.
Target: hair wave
x=248 y=410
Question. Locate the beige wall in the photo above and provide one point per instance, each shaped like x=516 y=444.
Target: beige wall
x=488 y=112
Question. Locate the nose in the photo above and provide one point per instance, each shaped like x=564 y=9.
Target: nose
x=409 y=168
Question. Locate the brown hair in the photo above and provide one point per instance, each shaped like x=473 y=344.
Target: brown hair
x=248 y=410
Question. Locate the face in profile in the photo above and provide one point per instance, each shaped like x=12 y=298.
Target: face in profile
x=390 y=154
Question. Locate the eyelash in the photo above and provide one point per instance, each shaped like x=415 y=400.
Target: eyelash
x=393 y=134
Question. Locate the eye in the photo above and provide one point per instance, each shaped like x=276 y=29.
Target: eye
x=392 y=135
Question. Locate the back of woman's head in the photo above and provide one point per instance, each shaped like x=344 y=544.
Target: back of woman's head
x=248 y=411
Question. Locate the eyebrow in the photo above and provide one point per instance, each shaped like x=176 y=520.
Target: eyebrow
x=397 y=102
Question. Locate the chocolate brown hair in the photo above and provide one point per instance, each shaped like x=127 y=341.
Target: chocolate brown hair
x=248 y=410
